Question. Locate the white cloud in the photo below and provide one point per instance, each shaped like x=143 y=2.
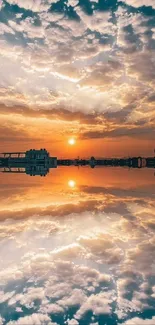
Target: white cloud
x=1 y=4
x=77 y=297
x=140 y=3
x=99 y=304
x=69 y=252
x=32 y=294
x=75 y=65
x=57 y=290
x=51 y=309
x=98 y=22
x=102 y=247
x=72 y=3
x=34 y=5
x=72 y=322
x=50 y=268
x=140 y=321
x=1 y=320
x=5 y=29
x=19 y=15
x=27 y=27
x=4 y=296
x=19 y=310
x=33 y=319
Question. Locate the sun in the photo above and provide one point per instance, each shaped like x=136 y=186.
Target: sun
x=71 y=141
x=71 y=183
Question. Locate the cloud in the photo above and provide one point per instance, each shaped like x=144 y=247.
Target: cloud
x=1 y=4
x=102 y=248
x=52 y=210
x=76 y=298
x=120 y=132
x=140 y=321
x=28 y=298
x=5 y=29
x=1 y=320
x=15 y=135
x=98 y=22
x=69 y=252
x=5 y=296
x=26 y=26
x=103 y=75
x=98 y=304
x=33 y=319
x=19 y=310
x=72 y=322
x=52 y=309
x=139 y=3
x=72 y=3
x=36 y=6
x=142 y=256
x=53 y=276
x=91 y=69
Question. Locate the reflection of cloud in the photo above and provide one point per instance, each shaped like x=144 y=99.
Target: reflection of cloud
x=51 y=210
x=5 y=296
x=33 y=319
x=142 y=256
x=50 y=253
x=102 y=247
x=137 y=192
x=99 y=304
x=1 y=320
x=112 y=233
x=140 y=321
x=73 y=322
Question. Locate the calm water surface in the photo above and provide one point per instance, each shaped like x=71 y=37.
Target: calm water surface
x=78 y=247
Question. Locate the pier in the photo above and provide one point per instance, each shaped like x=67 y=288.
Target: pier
x=39 y=162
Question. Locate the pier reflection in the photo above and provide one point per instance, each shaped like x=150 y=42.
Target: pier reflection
x=38 y=162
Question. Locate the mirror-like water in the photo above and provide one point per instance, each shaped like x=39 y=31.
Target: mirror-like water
x=78 y=247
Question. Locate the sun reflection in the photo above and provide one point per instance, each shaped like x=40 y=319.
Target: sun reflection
x=71 y=183
x=71 y=141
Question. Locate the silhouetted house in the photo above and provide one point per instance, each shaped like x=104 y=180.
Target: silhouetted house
x=41 y=154
x=36 y=170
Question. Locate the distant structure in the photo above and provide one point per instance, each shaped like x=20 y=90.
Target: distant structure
x=38 y=162
x=32 y=162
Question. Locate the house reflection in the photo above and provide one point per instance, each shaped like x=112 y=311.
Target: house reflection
x=38 y=162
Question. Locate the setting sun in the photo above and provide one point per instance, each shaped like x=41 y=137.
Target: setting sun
x=71 y=183
x=71 y=141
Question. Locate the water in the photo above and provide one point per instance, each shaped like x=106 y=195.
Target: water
x=78 y=247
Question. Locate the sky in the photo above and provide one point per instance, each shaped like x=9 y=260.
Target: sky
x=78 y=68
